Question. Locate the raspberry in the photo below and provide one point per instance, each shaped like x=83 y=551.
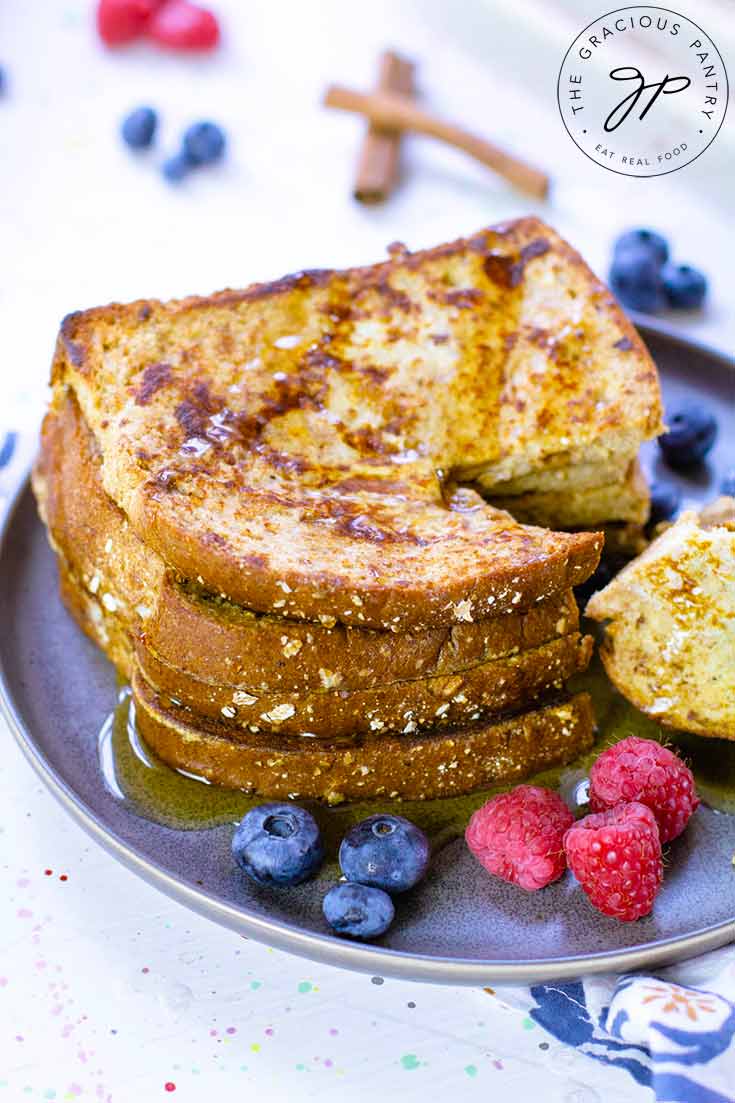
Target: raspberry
x=519 y=836
x=643 y=770
x=120 y=21
x=616 y=857
x=184 y=26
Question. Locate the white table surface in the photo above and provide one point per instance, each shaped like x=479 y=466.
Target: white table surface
x=108 y=991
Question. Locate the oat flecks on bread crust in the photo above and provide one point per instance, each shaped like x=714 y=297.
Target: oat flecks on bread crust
x=500 y=686
x=409 y=767
x=494 y=356
x=441 y=702
x=669 y=616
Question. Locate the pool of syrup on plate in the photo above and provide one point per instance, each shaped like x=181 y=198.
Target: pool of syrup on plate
x=185 y=802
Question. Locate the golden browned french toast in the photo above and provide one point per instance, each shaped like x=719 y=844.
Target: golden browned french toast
x=210 y=639
x=292 y=445
x=669 y=617
x=469 y=691
x=265 y=507
x=501 y=686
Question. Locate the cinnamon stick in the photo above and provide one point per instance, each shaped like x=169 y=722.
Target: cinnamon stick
x=379 y=161
x=394 y=112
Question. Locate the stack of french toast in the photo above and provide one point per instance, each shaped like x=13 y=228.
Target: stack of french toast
x=308 y=521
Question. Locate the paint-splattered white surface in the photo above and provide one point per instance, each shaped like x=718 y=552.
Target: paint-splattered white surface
x=108 y=990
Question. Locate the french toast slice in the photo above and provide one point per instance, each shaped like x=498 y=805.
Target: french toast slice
x=669 y=624
x=291 y=444
x=410 y=767
x=500 y=686
x=208 y=638
x=232 y=646
x=503 y=685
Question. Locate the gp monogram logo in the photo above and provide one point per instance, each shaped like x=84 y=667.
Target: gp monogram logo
x=642 y=91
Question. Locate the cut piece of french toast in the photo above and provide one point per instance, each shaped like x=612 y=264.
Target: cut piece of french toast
x=291 y=444
x=669 y=624
x=208 y=638
x=410 y=767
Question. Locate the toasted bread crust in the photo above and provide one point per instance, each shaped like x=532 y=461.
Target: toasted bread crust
x=211 y=639
x=526 y=565
x=299 y=477
x=503 y=685
x=405 y=766
x=296 y=656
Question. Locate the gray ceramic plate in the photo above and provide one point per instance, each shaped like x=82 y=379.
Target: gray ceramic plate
x=460 y=926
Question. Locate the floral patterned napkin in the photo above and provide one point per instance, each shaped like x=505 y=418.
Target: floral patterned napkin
x=674 y=1032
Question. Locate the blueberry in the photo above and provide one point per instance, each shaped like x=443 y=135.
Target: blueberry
x=635 y=277
x=358 y=910
x=649 y=241
x=204 y=143
x=176 y=167
x=3 y=82
x=278 y=844
x=7 y=448
x=386 y=852
x=665 y=502
x=139 y=127
x=685 y=287
x=727 y=486
x=692 y=433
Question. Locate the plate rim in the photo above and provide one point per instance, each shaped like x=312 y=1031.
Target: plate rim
x=325 y=948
